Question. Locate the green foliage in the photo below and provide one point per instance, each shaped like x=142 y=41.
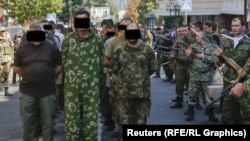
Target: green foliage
x=64 y=16
x=23 y=10
x=173 y=21
x=144 y=8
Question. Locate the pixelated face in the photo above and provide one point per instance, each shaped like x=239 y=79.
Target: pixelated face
x=82 y=16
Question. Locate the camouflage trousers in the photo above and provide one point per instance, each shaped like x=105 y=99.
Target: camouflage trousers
x=168 y=71
x=196 y=88
x=236 y=111
x=4 y=73
x=133 y=111
x=72 y=117
x=182 y=78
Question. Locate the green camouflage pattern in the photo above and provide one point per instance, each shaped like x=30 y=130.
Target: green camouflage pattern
x=133 y=67
x=240 y=55
x=181 y=60
x=83 y=65
x=201 y=72
x=181 y=66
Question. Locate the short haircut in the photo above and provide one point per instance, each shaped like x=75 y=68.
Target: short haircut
x=126 y=19
x=82 y=11
x=110 y=26
x=36 y=27
x=106 y=21
x=242 y=21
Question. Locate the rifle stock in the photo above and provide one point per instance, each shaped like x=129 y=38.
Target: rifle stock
x=240 y=78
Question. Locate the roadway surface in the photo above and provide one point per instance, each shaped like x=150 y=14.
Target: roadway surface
x=161 y=113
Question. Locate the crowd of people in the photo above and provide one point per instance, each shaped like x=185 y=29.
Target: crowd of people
x=85 y=73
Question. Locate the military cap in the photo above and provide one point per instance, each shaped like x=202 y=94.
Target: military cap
x=2 y=28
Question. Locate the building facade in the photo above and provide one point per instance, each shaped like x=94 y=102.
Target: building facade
x=219 y=11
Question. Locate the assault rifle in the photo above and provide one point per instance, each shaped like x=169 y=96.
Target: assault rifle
x=195 y=50
x=228 y=60
x=240 y=78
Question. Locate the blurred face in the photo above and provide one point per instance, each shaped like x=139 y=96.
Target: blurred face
x=185 y=31
x=198 y=39
x=18 y=39
x=195 y=28
x=122 y=32
x=179 y=31
x=3 y=33
x=207 y=29
x=237 y=28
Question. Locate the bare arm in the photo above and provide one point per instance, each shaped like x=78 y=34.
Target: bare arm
x=107 y=61
x=58 y=69
x=17 y=70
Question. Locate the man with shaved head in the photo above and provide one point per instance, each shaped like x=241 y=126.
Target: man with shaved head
x=133 y=63
x=112 y=46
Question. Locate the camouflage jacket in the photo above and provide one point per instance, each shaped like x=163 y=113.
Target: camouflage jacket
x=6 y=49
x=239 y=54
x=133 y=67
x=179 y=52
x=202 y=69
x=82 y=60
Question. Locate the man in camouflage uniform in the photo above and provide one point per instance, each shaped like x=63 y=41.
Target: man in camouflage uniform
x=82 y=57
x=133 y=64
x=162 y=56
x=201 y=73
x=113 y=45
x=7 y=54
x=235 y=110
x=182 y=65
x=105 y=106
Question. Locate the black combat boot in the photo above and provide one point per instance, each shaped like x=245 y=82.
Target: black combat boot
x=6 y=92
x=197 y=104
x=178 y=103
x=211 y=116
x=190 y=116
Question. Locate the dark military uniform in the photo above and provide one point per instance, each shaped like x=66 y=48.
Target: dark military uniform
x=181 y=70
x=162 y=57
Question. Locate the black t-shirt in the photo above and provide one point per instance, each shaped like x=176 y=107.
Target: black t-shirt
x=38 y=65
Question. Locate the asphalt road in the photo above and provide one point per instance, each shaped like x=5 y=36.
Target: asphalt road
x=161 y=113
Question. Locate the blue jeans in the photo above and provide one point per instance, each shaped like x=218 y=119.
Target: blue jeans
x=30 y=108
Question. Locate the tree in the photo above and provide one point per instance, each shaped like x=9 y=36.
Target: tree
x=131 y=11
x=77 y=4
x=144 y=8
x=64 y=16
x=22 y=10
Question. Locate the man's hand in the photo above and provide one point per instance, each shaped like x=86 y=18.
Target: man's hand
x=218 y=51
x=238 y=90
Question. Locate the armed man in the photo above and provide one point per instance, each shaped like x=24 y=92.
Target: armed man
x=236 y=110
x=162 y=58
x=182 y=65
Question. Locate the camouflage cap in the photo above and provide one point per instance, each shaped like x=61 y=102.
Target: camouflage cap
x=2 y=29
